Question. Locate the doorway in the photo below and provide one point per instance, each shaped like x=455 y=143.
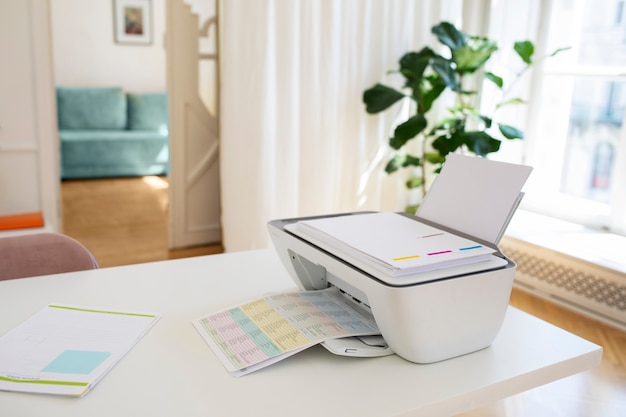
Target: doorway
x=134 y=68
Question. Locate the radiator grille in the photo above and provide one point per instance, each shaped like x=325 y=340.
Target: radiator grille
x=582 y=285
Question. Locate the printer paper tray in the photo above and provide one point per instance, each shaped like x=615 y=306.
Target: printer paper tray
x=494 y=262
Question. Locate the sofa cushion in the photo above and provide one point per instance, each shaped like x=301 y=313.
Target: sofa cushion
x=102 y=154
x=92 y=136
x=148 y=111
x=91 y=108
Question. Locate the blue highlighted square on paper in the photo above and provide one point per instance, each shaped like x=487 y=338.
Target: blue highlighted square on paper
x=76 y=362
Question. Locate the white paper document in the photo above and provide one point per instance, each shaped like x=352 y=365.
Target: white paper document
x=475 y=196
x=66 y=350
x=254 y=335
x=392 y=243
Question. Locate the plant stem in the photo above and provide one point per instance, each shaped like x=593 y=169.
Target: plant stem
x=423 y=167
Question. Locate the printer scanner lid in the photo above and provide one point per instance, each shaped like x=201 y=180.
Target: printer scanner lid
x=475 y=196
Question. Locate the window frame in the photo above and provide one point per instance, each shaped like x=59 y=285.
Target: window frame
x=546 y=132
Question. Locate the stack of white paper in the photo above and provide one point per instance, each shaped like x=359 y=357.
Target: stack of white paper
x=392 y=243
x=66 y=350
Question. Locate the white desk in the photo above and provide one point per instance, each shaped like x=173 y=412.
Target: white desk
x=172 y=372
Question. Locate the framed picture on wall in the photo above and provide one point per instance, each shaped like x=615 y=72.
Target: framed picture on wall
x=133 y=21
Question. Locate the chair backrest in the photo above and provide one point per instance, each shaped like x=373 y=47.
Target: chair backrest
x=42 y=254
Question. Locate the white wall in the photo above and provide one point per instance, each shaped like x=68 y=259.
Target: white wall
x=18 y=139
x=85 y=52
x=28 y=156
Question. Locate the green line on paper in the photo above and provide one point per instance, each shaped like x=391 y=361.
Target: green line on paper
x=44 y=381
x=102 y=311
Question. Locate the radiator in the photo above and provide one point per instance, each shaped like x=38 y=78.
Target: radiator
x=583 y=286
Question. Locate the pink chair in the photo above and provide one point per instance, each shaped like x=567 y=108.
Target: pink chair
x=42 y=254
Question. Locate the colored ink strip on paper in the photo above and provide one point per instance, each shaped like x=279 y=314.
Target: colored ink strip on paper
x=439 y=253
x=404 y=258
x=471 y=247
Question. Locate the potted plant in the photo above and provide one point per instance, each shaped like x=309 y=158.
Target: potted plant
x=427 y=75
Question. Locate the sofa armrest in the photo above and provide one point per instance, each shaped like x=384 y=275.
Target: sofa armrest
x=148 y=111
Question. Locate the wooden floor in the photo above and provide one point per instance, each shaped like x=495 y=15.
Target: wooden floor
x=124 y=221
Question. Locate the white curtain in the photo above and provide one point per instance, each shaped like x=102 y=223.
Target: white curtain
x=295 y=137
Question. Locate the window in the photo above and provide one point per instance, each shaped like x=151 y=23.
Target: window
x=575 y=135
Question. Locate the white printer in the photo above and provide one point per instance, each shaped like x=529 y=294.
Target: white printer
x=439 y=313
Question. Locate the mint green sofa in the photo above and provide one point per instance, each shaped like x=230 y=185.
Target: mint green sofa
x=105 y=132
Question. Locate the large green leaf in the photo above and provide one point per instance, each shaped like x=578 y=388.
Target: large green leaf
x=413 y=64
x=525 y=50
x=431 y=89
x=407 y=130
x=446 y=72
x=474 y=54
x=446 y=144
x=412 y=67
x=481 y=143
x=380 y=97
x=401 y=161
x=449 y=35
x=510 y=132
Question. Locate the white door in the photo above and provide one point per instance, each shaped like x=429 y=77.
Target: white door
x=194 y=208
